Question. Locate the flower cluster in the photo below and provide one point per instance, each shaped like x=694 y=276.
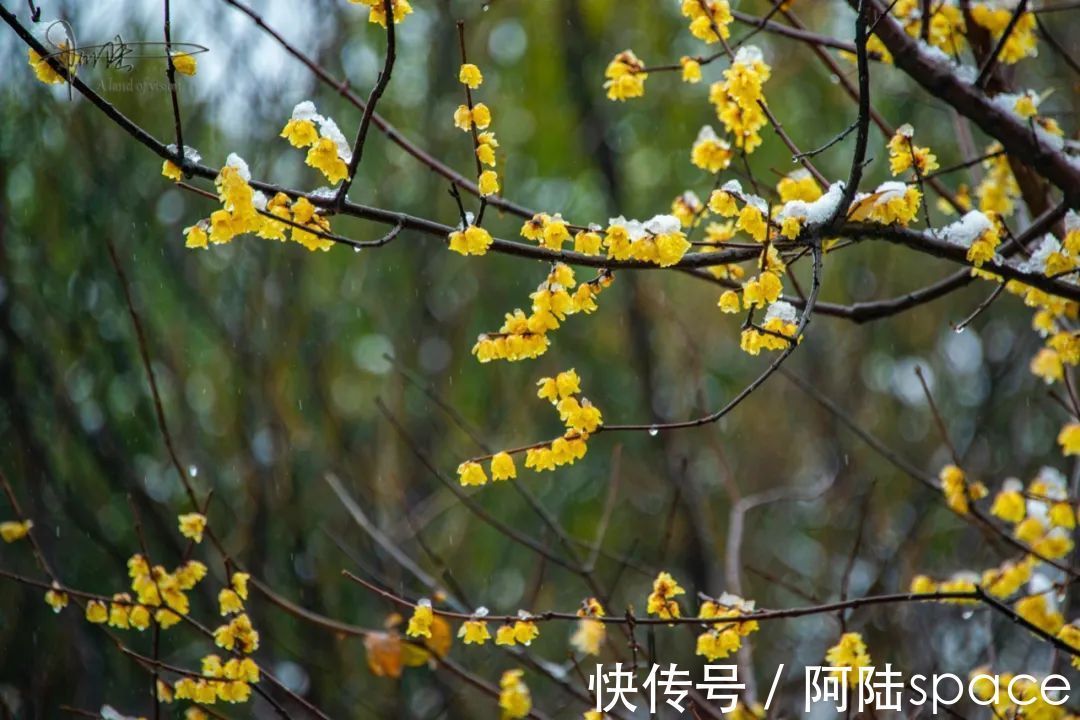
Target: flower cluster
x=245 y=210
x=892 y=202
x=975 y=231
x=514 y=698
x=1042 y=515
x=526 y=336
x=228 y=681
x=377 y=10
x=777 y=332
x=739 y=100
x=849 y=652
x=470 y=239
x=724 y=638
x=659 y=240
x=710 y=152
x=580 y=417
x=625 y=77
x=995 y=16
x=661 y=601
x=520 y=632
x=958 y=491
x=590 y=632
x=709 y=19
x=470 y=118
x=905 y=154
x=329 y=151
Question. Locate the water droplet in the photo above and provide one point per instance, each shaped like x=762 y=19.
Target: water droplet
x=967 y=614
x=959 y=329
x=357 y=248
x=193 y=471
x=654 y=431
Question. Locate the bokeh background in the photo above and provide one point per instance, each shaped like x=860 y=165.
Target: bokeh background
x=271 y=358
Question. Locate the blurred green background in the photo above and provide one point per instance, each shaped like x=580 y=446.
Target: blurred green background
x=271 y=358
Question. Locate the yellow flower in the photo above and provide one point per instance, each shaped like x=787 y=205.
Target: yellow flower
x=691 y=70
x=470 y=75
x=420 y=622
x=710 y=152
x=119 y=611
x=502 y=467
x=661 y=602
x=184 y=63
x=587 y=242
x=488 y=182
x=957 y=490
x=12 y=530
x=172 y=171
x=377 y=10
x=588 y=636
x=229 y=602
x=474 y=240
x=195 y=235
x=625 y=77
x=922 y=585
x=43 y=70
x=139 y=617
x=1070 y=634
x=903 y=153
x=1037 y=611
x=722 y=203
x=471 y=473
x=514 y=698
x=481 y=116
x=729 y=301
x=707 y=17
x=762 y=290
x=475 y=630
x=525 y=630
x=849 y=652
x=1009 y=504
x=463 y=118
x=324 y=157
x=96 y=612
x=1069 y=439
x=798 y=185
x=752 y=220
x=300 y=132
x=192 y=526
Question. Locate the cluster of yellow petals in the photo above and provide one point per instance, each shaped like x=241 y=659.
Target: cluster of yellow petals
x=958 y=491
x=904 y=154
x=377 y=10
x=228 y=681
x=520 y=632
x=659 y=240
x=661 y=600
x=850 y=652
x=590 y=632
x=625 y=77
x=739 y=99
x=891 y=203
x=526 y=336
x=472 y=240
x=514 y=698
x=995 y=18
x=709 y=19
x=238 y=634
x=724 y=638
x=710 y=152
x=579 y=416
x=479 y=116
x=68 y=59
x=13 y=530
